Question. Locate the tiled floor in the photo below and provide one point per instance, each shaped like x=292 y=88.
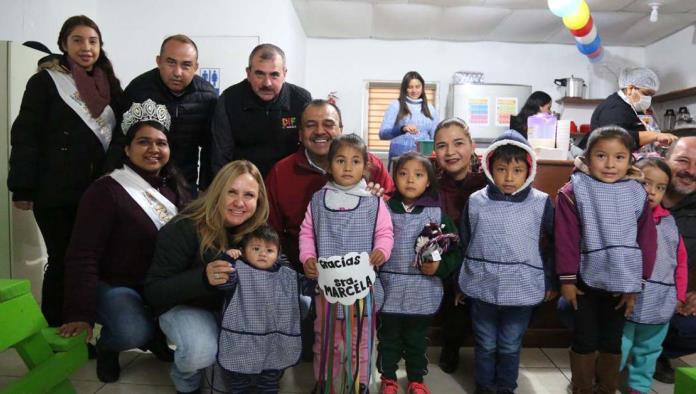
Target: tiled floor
x=541 y=371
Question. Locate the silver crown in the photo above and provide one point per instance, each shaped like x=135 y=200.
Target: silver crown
x=147 y=111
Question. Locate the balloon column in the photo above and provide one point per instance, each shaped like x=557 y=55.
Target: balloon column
x=576 y=17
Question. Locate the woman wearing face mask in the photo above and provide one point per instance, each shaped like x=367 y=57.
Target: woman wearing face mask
x=636 y=87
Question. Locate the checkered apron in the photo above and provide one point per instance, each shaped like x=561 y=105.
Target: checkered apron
x=503 y=264
x=261 y=323
x=610 y=257
x=656 y=304
x=339 y=232
x=407 y=290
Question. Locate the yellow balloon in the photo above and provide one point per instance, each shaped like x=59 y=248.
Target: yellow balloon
x=579 y=19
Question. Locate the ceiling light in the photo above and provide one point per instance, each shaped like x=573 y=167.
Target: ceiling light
x=654 y=13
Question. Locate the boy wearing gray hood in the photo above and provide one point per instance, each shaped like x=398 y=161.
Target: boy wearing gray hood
x=507 y=231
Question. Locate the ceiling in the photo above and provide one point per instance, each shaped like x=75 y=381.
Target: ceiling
x=619 y=22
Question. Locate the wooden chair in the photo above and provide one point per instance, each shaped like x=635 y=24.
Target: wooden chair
x=51 y=359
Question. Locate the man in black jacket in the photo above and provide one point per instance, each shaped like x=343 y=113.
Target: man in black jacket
x=190 y=101
x=680 y=199
x=257 y=119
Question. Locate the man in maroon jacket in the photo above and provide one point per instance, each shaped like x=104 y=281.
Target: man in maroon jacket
x=293 y=180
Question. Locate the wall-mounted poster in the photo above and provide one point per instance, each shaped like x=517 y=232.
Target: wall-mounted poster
x=504 y=108
x=478 y=111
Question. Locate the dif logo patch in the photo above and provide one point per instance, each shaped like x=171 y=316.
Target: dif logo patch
x=289 y=122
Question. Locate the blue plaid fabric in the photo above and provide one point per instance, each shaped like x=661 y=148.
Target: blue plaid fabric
x=339 y=232
x=407 y=290
x=656 y=304
x=503 y=264
x=610 y=257
x=261 y=323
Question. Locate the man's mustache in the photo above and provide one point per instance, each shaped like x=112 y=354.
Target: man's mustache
x=686 y=175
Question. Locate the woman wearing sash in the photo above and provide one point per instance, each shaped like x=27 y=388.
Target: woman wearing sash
x=59 y=143
x=114 y=239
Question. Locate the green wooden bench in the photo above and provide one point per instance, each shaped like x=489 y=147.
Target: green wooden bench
x=51 y=359
x=685 y=381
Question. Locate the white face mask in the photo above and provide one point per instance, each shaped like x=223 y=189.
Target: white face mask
x=643 y=104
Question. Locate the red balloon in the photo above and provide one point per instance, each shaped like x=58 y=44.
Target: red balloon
x=583 y=31
x=595 y=53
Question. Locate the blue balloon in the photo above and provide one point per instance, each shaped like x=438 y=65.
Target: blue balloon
x=591 y=47
x=563 y=8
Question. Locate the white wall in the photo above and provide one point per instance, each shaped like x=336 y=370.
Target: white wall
x=133 y=29
x=346 y=65
x=39 y=20
x=673 y=59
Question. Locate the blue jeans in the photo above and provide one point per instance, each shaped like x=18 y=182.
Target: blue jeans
x=127 y=324
x=681 y=337
x=195 y=332
x=498 y=332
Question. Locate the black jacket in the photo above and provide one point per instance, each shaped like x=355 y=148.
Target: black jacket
x=191 y=113
x=684 y=213
x=55 y=155
x=245 y=127
x=615 y=111
x=177 y=274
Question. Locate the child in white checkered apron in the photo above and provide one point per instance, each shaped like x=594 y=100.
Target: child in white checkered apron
x=412 y=280
x=605 y=244
x=664 y=292
x=343 y=217
x=260 y=327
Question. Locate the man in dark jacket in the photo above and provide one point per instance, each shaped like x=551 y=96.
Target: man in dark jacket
x=680 y=199
x=190 y=101
x=257 y=119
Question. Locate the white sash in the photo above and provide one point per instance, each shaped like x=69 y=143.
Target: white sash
x=155 y=205
x=103 y=126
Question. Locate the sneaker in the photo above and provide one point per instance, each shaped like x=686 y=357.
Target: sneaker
x=388 y=386
x=108 y=369
x=160 y=349
x=484 y=390
x=449 y=359
x=417 y=388
x=664 y=371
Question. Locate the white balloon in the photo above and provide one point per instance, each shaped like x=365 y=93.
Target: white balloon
x=563 y=8
x=587 y=39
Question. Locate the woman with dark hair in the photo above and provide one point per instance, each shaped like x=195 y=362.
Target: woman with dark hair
x=537 y=102
x=113 y=242
x=410 y=118
x=59 y=143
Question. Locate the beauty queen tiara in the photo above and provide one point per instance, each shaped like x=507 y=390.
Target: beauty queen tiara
x=147 y=111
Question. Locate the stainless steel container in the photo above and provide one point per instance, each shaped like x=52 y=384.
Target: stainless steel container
x=574 y=87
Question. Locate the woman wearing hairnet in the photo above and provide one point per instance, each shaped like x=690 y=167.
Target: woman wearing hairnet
x=625 y=107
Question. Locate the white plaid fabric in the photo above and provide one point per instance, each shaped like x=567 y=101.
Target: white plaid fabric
x=656 y=304
x=610 y=257
x=339 y=232
x=407 y=290
x=261 y=323
x=503 y=263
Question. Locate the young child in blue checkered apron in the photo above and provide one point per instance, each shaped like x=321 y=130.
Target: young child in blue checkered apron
x=664 y=292
x=343 y=217
x=260 y=328
x=605 y=250
x=412 y=284
x=507 y=231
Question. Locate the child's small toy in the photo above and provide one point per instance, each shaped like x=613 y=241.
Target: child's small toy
x=431 y=244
